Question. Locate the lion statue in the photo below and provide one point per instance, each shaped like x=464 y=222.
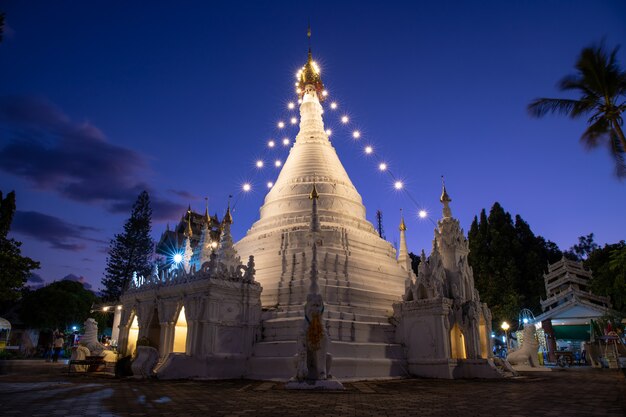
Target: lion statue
x=90 y=341
x=527 y=353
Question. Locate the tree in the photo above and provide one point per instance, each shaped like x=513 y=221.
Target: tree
x=601 y=84
x=608 y=266
x=582 y=249
x=14 y=268
x=130 y=251
x=58 y=305
x=508 y=261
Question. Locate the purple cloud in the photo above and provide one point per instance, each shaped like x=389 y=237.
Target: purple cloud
x=184 y=194
x=81 y=279
x=44 y=146
x=58 y=233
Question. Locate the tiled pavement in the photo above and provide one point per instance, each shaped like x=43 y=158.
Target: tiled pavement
x=44 y=390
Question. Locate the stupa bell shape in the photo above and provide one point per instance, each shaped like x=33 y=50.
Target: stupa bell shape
x=357 y=269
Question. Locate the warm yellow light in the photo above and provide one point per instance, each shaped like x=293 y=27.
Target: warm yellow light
x=291 y=106
x=333 y=105
x=214 y=244
x=344 y=119
x=423 y=214
x=398 y=185
x=369 y=150
x=329 y=132
x=246 y=187
x=271 y=143
x=286 y=141
x=119 y=307
x=382 y=166
x=298 y=91
x=296 y=84
x=281 y=125
x=293 y=120
x=270 y=184
x=259 y=164
x=356 y=134
x=278 y=163
x=324 y=93
x=505 y=326
x=105 y=308
x=299 y=100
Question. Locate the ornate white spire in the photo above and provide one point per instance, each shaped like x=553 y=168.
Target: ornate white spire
x=226 y=253
x=187 y=254
x=403 y=254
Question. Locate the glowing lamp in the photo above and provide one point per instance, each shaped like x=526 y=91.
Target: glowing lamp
x=525 y=320
x=422 y=214
x=259 y=164
x=270 y=184
x=382 y=166
x=344 y=119
x=277 y=163
x=293 y=120
x=286 y=141
x=281 y=125
x=369 y=150
x=74 y=328
x=505 y=326
x=333 y=105
x=119 y=307
x=329 y=132
x=324 y=93
x=299 y=101
x=356 y=134
x=291 y=106
x=178 y=258
x=105 y=308
x=246 y=187
x=213 y=245
x=271 y=143
x=398 y=185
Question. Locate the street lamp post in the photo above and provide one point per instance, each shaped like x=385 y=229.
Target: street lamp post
x=505 y=326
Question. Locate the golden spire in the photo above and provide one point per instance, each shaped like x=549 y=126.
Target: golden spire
x=228 y=218
x=207 y=218
x=188 y=231
x=314 y=194
x=402 y=225
x=444 y=194
x=310 y=75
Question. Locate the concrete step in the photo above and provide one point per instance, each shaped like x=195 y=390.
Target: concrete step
x=337 y=349
x=339 y=330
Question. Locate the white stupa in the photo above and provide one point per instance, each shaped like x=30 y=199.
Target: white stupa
x=359 y=275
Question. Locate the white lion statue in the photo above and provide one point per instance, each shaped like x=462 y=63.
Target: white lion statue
x=527 y=353
x=90 y=341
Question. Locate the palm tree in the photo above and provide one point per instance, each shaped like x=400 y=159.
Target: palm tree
x=601 y=84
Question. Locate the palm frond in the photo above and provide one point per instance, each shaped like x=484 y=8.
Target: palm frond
x=542 y=106
x=596 y=133
x=618 y=152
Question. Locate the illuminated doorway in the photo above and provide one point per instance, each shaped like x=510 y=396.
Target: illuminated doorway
x=180 y=332
x=484 y=338
x=133 y=335
x=457 y=343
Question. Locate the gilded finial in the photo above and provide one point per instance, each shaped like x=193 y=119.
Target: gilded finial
x=309 y=76
x=207 y=218
x=188 y=231
x=402 y=225
x=444 y=193
x=228 y=218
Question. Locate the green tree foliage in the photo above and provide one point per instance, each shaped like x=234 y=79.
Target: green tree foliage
x=58 y=305
x=582 y=249
x=508 y=261
x=130 y=251
x=608 y=265
x=14 y=268
x=601 y=86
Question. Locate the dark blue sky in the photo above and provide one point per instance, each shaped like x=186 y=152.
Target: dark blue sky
x=99 y=100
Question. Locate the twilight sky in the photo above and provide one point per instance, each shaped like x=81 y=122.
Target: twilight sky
x=100 y=100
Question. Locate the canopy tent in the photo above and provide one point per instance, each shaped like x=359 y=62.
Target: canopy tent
x=574 y=332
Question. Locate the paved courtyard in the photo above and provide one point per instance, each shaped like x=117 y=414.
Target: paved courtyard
x=40 y=389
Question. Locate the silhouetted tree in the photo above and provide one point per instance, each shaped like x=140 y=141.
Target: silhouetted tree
x=129 y=251
x=508 y=261
x=14 y=268
x=608 y=266
x=601 y=85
